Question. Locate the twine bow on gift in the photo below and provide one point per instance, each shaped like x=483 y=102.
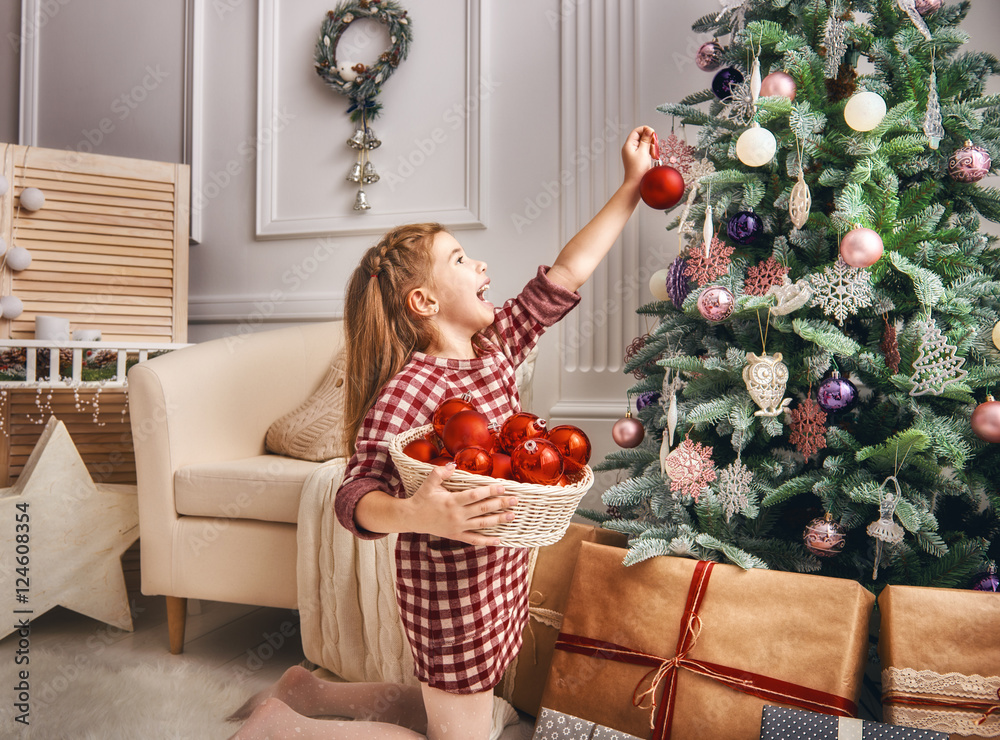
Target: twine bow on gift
x=664 y=671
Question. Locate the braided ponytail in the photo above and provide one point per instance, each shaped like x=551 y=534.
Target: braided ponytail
x=381 y=332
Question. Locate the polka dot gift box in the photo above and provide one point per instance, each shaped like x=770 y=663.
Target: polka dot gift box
x=781 y=723
x=553 y=725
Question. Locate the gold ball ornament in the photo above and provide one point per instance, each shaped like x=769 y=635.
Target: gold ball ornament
x=756 y=146
x=864 y=111
x=996 y=335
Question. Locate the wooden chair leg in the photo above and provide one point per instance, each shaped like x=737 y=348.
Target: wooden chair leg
x=176 y=617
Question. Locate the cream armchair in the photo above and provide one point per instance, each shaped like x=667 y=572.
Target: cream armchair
x=217 y=514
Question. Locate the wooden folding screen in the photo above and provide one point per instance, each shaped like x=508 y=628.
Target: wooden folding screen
x=109 y=251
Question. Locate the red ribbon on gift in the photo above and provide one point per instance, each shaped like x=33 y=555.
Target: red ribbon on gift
x=666 y=669
x=988 y=708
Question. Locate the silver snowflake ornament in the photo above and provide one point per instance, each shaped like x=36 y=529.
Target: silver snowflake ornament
x=835 y=43
x=741 y=105
x=734 y=488
x=841 y=290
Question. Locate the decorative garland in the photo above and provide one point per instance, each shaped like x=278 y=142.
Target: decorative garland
x=359 y=82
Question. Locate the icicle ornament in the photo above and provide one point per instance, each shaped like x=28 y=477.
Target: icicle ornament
x=933 y=123
x=910 y=8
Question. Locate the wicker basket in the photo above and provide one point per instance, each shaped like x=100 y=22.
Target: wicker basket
x=543 y=512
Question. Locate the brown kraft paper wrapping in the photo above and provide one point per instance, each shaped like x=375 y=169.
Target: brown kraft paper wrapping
x=810 y=631
x=945 y=631
x=525 y=679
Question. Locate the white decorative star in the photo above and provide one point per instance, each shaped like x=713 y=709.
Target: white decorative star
x=77 y=531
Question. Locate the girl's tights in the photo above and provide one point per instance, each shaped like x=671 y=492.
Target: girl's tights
x=390 y=711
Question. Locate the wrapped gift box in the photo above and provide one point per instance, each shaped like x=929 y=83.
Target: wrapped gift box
x=694 y=649
x=783 y=723
x=553 y=569
x=558 y=726
x=940 y=652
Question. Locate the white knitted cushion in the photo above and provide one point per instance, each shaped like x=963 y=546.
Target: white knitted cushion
x=315 y=430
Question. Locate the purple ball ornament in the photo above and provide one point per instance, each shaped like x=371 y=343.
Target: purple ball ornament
x=744 y=227
x=716 y=303
x=724 y=80
x=925 y=7
x=836 y=393
x=971 y=163
x=988 y=581
x=709 y=56
x=645 y=399
x=678 y=284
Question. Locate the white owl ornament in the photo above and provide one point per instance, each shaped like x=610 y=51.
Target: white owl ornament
x=766 y=377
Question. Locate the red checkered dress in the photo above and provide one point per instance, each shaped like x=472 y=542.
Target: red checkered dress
x=463 y=606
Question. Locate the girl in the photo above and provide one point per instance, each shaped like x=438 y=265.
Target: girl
x=419 y=330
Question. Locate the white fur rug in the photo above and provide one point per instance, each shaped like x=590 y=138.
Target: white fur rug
x=75 y=697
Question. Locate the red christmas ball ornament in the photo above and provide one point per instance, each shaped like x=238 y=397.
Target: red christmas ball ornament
x=442 y=460
x=421 y=449
x=519 y=427
x=861 y=247
x=474 y=460
x=573 y=444
x=467 y=428
x=662 y=187
x=986 y=420
x=537 y=461
x=778 y=84
x=627 y=431
x=448 y=408
x=501 y=466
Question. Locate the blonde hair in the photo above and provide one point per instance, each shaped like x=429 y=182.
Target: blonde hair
x=381 y=332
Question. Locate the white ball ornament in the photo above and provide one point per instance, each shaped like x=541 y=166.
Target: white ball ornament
x=756 y=146
x=658 y=285
x=18 y=259
x=11 y=306
x=864 y=111
x=32 y=199
x=4 y=185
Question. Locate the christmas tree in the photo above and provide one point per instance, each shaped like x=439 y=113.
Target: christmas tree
x=827 y=329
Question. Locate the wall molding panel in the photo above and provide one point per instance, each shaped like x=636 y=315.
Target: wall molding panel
x=280 y=95
x=598 y=90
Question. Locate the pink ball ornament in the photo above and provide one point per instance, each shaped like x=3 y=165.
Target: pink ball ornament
x=985 y=420
x=861 y=247
x=709 y=56
x=716 y=303
x=778 y=84
x=970 y=163
x=925 y=7
x=825 y=537
x=628 y=431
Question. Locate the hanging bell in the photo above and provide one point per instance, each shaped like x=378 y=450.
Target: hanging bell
x=371 y=140
x=370 y=175
x=358 y=140
x=355 y=174
x=361 y=202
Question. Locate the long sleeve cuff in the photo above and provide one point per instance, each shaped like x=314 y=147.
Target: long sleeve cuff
x=346 y=502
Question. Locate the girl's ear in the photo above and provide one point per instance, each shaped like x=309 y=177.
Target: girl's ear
x=421 y=303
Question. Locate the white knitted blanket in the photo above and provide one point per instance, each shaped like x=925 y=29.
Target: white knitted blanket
x=347 y=598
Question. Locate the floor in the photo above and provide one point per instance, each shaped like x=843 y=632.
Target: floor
x=255 y=643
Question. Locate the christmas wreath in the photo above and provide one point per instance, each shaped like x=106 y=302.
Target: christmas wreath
x=359 y=82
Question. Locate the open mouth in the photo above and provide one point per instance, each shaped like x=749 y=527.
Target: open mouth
x=482 y=292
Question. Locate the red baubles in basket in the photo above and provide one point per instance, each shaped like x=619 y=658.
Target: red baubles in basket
x=521 y=449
